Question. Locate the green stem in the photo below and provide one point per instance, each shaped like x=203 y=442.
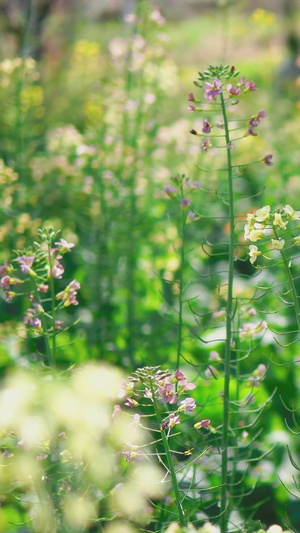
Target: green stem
x=226 y=407
x=169 y=460
x=53 y=308
x=291 y=282
x=179 y=342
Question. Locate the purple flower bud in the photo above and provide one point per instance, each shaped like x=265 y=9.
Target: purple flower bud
x=267 y=160
x=170 y=190
x=206 y=128
x=191 y=107
x=185 y=202
x=191 y=97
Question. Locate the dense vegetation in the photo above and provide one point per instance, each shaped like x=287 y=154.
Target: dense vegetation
x=149 y=275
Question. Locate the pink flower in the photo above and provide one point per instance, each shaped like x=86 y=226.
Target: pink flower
x=232 y=91
x=191 y=97
x=182 y=381
x=173 y=420
x=170 y=190
x=248 y=85
x=206 y=128
x=42 y=287
x=191 y=107
x=187 y=405
x=26 y=263
x=5 y=282
x=206 y=145
x=166 y=392
x=202 y=424
x=64 y=246
x=58 y=325
x=68 y=296
x=57 y=270
x=212 y=90
x=117 y=410
x=4 y=269
x=185 y=202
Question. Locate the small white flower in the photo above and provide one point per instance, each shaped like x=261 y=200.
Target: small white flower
x=263 y=214
x=254 y=253
x=293 y=215
x=278 y=244
x=277 y=221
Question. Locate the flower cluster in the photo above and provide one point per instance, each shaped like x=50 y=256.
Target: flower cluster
x=182 y=188
x=160 y=386
x=218 y=91
x=37 y=268
x=265 y=223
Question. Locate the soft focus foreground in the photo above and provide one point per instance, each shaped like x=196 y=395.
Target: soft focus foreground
x=150 y=222
x=61 y=464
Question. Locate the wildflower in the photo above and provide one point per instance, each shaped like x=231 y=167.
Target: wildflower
x=191 y=97
x=202 y=424
x=206 y=128
x=135 y=422
x=193 y=184
x=211 y=372
x=277 y=221
x=251 y=131
x=248 y=85
x=58 y=325
x=129 y=455
x=170 y=190
x=57 y=270
x=117 y=410
x=182 y=381
x=278 y=244
x=267 y=160
x=214 y=356
x=26 y=263
x=5 y=282
x=206 y=145
x=263 y=214
x=253 y=234
x=212 y=90
x=185 y=202
x=5 y=268
x=252 y=312
x=130 y=402
x=191 y=107
x=167 y=393
x=254 y=253
x=68 y=296
x=255 y=119
x=260 y=371
x=9 y=295
x=191 y=217
x=187 y=405
x=229 y=146
x=64 y=246
x=232 y=91
x=291 y=213
x=42 y=287
x=297 y=240
x=173 y=420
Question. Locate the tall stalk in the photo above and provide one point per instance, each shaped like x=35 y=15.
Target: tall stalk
x=182 y=258
x=226 y=407
x=170 y=463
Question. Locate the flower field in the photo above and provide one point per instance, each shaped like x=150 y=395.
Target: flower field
x=149 y=267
